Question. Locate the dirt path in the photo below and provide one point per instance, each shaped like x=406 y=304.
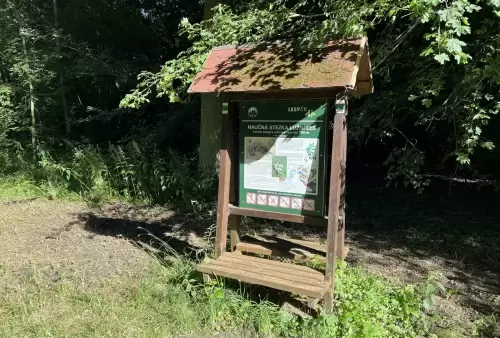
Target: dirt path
x=49 y=235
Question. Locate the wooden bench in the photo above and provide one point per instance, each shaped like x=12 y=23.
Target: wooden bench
x=289 y=277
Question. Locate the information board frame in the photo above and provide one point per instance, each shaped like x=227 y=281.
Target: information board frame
x=287 y=135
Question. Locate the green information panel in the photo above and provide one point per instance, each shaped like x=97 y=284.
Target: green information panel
x=282 y=160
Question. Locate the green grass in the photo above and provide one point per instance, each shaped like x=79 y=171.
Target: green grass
x=20 y=187
x=169 y=300
x=14 y=188
x=487 y=326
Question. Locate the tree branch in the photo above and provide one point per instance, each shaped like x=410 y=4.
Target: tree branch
x=464 y=180
x=401 y=39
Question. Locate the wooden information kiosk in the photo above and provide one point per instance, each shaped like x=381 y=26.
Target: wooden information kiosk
x=283 y=156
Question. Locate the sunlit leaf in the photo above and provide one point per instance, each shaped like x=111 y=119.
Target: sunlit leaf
x=442 y=58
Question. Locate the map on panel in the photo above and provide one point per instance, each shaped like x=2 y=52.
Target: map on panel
x=282 y=156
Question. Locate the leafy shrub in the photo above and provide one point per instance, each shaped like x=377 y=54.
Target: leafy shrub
x=368 y=306
x=488 y=326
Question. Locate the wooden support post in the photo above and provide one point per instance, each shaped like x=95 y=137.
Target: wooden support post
x=341 y=233
x=312 y=302
x=333 y=206
x=207 y=278
x=235 y=226
x=224 y=182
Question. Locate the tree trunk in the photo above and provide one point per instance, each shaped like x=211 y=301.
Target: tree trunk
x=209 y=5
x=33 y=116
x=60 y=71
x=211 y=109
x=31 y=89
x=210 y=118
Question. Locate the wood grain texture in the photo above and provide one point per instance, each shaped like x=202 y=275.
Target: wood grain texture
x=224 y=186
x=343 y=170
x=316 y=221
x=293 y=94
x=308 y=244
x=269 y=262
x=271 y=251
x=333 y=207
x=278 y=275
x=355 y=70
x=302 y=256
x=285 y=271
x=235 y=230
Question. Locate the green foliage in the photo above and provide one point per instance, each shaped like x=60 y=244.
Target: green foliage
x=8 y=123
x=371 y=307
x=366 y=306
x=419 y=38
x=436 y=69
x=487 y=326
x=170 y=300
x=129 y=172
x=226 y=28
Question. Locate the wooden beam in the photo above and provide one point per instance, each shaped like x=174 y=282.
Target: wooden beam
x=333 y=206
x=235 y=230
x=354 y=76
x=343 y=167
x=272 y=250
x=232 y=144
x=278 y=275
x=295 y=94
x=307 y=244
x=365 y=75
x=207 y=278
x=312 y=302
x=318 y=221
x=224 y=184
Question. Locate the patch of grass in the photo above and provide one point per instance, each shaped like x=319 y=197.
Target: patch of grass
x=122 y=307
x=171 y=301
x=19 y=187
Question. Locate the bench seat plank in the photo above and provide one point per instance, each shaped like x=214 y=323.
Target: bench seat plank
x=278 y=275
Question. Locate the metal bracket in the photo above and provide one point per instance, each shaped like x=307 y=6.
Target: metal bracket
x=225 y=108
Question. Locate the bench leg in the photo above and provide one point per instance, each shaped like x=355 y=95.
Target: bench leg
x=207 y=278
x=235 y=230
x=312 y=303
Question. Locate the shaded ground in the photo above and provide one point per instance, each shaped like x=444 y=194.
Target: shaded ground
x=393 y=233
x=47 y=234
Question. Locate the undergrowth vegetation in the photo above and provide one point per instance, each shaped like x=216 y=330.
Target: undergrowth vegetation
x=170 y=301
x=131 y=172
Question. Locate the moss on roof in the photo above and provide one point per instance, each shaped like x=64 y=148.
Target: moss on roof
x=277 y=67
